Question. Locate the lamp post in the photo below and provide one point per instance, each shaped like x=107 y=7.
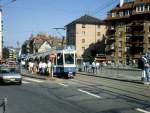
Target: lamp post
x=1 y=27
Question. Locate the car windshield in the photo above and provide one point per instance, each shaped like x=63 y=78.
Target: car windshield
x=5 y=70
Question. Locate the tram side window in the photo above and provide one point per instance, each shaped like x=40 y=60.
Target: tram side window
x=59 y=59
x=69 y=58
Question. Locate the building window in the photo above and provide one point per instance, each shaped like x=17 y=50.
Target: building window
x=83 y=32
x=127 y=13
x=140 y=8
x=149 y=29
x=120 y=14
x=98 y=33
x=113 y=14
x=83 y=25
x=83 y=48
x=99 y=26
x=148 y=8
x=83 y=40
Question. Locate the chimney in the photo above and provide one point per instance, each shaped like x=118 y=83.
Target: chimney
x=121 y=2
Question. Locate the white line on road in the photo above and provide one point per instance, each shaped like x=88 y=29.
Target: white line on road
x=97 y=96
x=141 y=110
x=63 y=84
x=33 y=80
x=25 y=82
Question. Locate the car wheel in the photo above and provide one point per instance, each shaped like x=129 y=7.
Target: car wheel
x=20 y=82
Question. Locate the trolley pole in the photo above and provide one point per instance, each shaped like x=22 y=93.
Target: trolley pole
x=52 y=70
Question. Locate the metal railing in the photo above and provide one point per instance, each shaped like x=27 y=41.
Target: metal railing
x=3 y=103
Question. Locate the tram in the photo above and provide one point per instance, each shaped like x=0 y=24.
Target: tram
x=63 y=60
x=64 y=64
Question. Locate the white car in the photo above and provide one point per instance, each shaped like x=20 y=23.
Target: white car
x=10 y=75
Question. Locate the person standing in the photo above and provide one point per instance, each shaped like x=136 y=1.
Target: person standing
x=49 y=67
x=146 y=73
x=84 y=66
x=93 y=67
x=40 y=67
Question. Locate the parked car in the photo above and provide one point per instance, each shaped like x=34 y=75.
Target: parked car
x=10 y=75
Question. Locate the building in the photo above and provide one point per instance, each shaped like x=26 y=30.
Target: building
x=13 y=53
x=40 y=43
x=84 y=31
x=128 y=34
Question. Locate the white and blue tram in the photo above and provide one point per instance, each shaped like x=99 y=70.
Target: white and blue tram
x=64 y=62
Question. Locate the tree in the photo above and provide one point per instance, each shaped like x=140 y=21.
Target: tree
x=97 y=48
x=5 y=53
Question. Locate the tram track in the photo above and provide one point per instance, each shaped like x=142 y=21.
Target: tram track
x=131 y=94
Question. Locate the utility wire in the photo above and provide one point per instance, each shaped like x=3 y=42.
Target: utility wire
x=106 y=6
x=106 y=9
x=101 y=7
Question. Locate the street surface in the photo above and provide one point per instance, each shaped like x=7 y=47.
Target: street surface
x=83 y=94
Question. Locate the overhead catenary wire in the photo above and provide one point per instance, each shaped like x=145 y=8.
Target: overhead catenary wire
x=105 y=7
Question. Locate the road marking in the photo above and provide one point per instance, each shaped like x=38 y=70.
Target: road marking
x=25 y=82
x=141 y=110
x=63 y=84
x=97 y=96
x=33 y=80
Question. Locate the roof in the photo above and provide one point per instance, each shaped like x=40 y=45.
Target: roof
x=141 y=2
x=86 y=19
x=128 y=5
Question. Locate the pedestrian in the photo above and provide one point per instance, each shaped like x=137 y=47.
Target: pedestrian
x=146 y=73
x=84 y=66
x=93 y=67
x=49 y=67
x=44 y=68
x=31 y=64
x=141 y=66
x=97 y=66
x=40 y=67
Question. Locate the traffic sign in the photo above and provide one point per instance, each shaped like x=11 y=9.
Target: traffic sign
x=52 y=56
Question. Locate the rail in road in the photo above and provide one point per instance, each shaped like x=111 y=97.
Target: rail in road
x=136 y=95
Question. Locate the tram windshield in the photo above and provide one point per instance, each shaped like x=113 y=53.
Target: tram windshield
x=69 y=58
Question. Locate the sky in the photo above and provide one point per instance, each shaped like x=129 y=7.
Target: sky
x=25 y=17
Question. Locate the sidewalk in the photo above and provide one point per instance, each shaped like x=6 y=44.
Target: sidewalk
x=121 y=74
x=125 y=75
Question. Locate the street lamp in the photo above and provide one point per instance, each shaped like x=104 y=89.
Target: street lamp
x=1 y=27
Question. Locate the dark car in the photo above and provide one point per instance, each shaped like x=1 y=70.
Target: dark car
x=10 y=75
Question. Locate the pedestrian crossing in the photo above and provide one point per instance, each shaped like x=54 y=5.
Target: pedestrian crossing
x=31 y=80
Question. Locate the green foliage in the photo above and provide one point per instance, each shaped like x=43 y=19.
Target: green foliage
x=97 y=48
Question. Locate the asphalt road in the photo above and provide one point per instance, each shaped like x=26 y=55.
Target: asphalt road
x=84 y=94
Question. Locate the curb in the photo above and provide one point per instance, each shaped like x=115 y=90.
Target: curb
x=34 y=76
x=123 y=80
x=125 y=69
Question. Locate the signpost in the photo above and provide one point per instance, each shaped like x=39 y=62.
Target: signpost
x=52 y=57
